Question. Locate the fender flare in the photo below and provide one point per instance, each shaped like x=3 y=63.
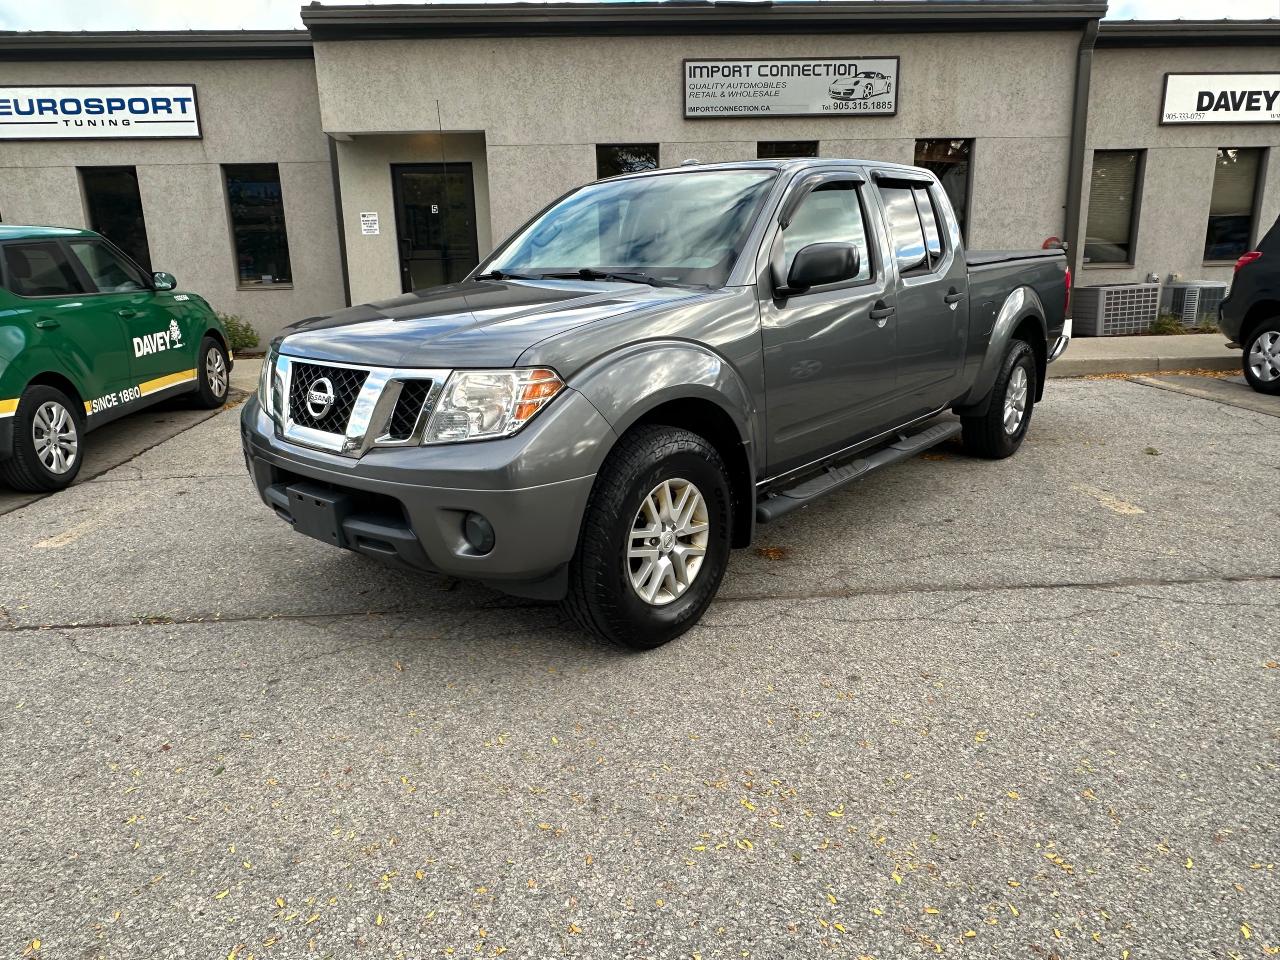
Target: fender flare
x=1021 y=303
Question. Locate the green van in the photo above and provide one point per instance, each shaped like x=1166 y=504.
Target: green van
x=86 y=336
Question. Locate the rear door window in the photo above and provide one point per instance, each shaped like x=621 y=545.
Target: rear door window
x=832 y=212
x=914 y=226
x=929 y=220
x=109 y=272
x=39 y=269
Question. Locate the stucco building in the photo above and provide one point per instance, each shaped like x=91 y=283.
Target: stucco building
x=390 y=147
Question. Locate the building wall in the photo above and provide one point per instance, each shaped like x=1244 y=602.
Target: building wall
x=364 y=167
x=251 y=111
x=1124 y=112
x=544 y=103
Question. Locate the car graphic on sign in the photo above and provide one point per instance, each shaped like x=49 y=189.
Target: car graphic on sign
x=861 y=86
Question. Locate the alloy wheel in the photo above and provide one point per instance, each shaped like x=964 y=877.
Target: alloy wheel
x=215 y=369
x=1264 y=356
x=57 y=442
x=1015 y=400
x=668 y=541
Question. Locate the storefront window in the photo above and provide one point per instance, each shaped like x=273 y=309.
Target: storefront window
x=786 y=149
x=256 y=205
x=1113 y=192
x=613 y=159
x=948 y=160
x=115 y=209
x=1235 y=189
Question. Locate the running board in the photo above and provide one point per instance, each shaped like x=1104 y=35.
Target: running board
x=781 y=502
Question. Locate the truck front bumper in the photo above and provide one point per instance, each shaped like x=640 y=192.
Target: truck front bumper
x=408 y=506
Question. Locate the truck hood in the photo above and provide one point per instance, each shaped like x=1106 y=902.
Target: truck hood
x=487 y=323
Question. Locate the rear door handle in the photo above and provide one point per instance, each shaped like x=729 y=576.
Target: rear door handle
x=881 y=311
x=126 y=314
x=953 y=296
x=48 y=323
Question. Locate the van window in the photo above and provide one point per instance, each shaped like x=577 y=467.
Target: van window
x=832 y=212
x=39 y=270
x=109 y=273
x=904 y=227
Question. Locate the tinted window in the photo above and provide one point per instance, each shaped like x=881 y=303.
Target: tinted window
x=948 y=160
x=108 y=272
x=904 y=228
x=1113 y=189
x=613 y=159
x=257 y=224
x=786 y=149
x=683 y=228
x=929 y=220
x=1235 y=191
x=39 y=270
x=115 y=209
x=832 y=212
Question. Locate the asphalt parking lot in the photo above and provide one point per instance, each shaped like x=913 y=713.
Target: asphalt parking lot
x=1017 y=709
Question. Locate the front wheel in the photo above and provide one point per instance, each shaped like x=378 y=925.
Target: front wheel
x=999 y=432
x=655 y=539
x=213 y=375
x=47 y=441
x=1262 y=357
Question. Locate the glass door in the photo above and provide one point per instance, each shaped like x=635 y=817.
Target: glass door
x=435 y=223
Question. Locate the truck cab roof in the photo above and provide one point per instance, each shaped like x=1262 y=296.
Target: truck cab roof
x=791 y=165
x=14 y=231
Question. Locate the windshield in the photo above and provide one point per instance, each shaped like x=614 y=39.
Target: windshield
x=685 y=228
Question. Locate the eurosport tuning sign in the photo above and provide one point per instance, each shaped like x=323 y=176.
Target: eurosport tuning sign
x=99 y=113
x=827 y=86
x=1221 y=98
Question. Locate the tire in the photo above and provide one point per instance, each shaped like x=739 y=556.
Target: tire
x=1261 y=362
x=602 y=598
x=45 y=414
x=213 y=375
x=989 y=435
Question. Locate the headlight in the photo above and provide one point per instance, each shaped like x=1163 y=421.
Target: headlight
x=264 y=383
x=483 y=404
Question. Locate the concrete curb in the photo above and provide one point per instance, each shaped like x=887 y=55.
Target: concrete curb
x=1068 y=366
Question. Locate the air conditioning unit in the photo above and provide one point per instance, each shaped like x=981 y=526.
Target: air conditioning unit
x=1114 y=309
x=1195 y=303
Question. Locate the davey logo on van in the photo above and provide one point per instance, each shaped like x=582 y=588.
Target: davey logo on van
x=1221 y=98
x=99 y=112
x=150 y=343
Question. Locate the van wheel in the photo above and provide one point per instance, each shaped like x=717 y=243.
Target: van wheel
x=1262 y=357
x=48 y=429
x=999 y=432
x=212 y=375
x=655 y=539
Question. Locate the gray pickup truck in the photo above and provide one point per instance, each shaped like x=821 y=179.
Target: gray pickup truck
x=647 y=369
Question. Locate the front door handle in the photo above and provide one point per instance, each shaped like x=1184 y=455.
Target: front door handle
x=48 y=323
x=953 y=296
x=881 y=311
x=126 y=314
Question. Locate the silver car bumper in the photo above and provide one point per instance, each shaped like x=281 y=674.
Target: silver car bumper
x=1064 y=339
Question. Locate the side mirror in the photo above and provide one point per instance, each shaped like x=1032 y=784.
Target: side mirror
x=821 y=263
x=163 y=281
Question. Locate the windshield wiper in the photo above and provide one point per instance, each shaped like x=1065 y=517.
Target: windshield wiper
x=626 y=276
x=503 y=275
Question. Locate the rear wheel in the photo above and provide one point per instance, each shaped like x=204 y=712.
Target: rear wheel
x=1262 y=357
x=212 y=374
x=999 y=432
x=655 y=539
x=47 y=432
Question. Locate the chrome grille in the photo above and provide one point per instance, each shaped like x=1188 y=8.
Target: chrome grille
x=413 y=397
x=347 y=384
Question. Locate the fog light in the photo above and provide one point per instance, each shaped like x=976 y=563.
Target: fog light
x=479 y=532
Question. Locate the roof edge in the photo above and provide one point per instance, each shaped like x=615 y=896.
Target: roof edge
x=1188 y=33
x=157 y=45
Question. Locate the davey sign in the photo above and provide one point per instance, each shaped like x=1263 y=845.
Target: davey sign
x=830 y=86
x=1221 y=98
x=98 y=112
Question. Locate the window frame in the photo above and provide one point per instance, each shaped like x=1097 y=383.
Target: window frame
x=76 y=270
x=657 y=157
x=1135 y=211
x=1255 y=218
x=792 y=201
x=242 y=287
x=931 y=267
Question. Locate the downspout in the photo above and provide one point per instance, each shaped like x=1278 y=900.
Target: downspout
x=342 y=229
x=1079 y=129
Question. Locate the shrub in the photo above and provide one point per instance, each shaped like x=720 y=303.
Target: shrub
x=1166 y=324
x=240 y=332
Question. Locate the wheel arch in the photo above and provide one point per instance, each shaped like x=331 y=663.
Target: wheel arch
x=60 y=381
x=1021 y=317
x=1258 y=314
